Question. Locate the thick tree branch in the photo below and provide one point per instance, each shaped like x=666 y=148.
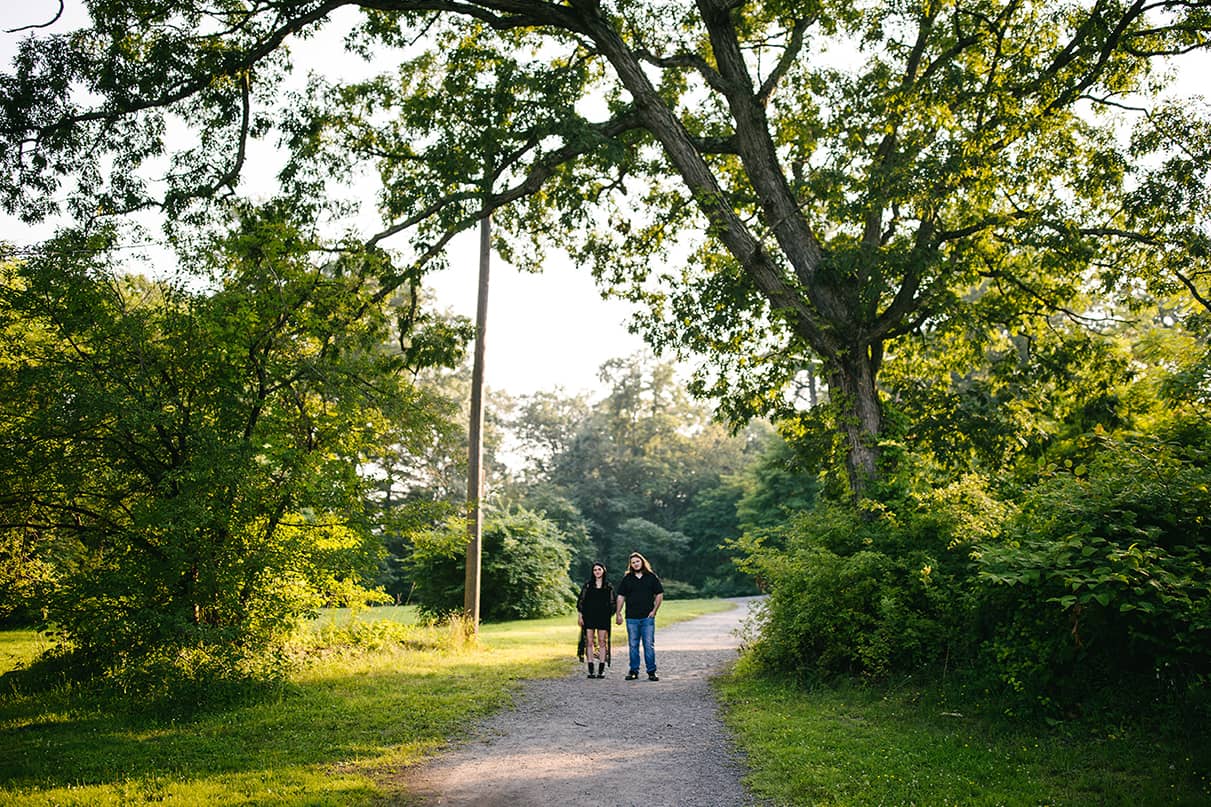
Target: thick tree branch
x=779 y=206
x=707 y=193
x=500 y=15
x=1198 y=296
x=684 y=60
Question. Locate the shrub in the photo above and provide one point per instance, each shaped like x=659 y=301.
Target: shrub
x=838 y=604
x=1103 y=577
x=524 y=568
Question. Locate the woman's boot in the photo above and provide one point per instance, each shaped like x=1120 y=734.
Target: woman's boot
x=601 y=670
x=590 y=675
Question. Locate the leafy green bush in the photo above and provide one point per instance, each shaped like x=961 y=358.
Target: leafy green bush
x=1103 y=577
x=524 y=568
x=207 y=493
x=839 y=603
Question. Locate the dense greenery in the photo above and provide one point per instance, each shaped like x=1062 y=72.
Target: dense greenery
x=180 y=467
x=643 y=469
x=525 y=568
x=1060 y=561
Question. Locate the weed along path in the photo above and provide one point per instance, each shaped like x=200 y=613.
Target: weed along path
x=608 y=742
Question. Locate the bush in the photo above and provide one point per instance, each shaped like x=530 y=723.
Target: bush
x=524 y=568
x=1103 y=578
x=838 y=604
x=1091 y=588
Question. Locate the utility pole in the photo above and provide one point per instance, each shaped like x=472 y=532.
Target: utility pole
x=475 y=472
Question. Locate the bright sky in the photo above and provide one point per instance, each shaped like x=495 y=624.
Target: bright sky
x=544 y=330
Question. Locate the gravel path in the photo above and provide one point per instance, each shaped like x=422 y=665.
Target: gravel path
x=606 y=742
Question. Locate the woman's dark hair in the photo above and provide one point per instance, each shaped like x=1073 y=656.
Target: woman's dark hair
x=604 y=571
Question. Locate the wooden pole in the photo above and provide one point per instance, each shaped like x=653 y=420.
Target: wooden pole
x=475 y=472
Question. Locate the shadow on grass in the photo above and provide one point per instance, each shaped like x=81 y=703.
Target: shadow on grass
x=327 y=721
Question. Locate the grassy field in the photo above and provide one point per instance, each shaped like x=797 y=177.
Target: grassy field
x=334 y=736
x=852 y=747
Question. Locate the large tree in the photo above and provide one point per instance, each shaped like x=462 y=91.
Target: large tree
x=838 y=174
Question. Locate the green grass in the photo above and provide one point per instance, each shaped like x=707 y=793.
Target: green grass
x=349 y=721
x=333 y=736
x=851 y=747
x=18 y=646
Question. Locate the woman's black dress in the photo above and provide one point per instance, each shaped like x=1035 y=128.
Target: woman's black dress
x=596 y=605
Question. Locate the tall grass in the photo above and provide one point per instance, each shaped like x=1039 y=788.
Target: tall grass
x=356 y=712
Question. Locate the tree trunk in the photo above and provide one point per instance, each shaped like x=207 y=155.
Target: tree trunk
x=855 y=399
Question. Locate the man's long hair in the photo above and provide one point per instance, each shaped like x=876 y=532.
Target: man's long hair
x=647 y=567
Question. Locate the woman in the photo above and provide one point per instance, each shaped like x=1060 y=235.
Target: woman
x=595 y=606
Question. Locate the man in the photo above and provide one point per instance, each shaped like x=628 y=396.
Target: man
x=641 y=592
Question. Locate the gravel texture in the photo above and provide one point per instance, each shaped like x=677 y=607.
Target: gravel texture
x=610 y=742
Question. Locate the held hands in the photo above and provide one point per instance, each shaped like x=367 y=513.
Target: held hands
x=618 y=619
x=580 y=620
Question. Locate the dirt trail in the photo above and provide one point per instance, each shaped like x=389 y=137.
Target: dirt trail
x=608 y=742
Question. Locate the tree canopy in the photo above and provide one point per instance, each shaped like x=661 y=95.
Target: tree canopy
x=789 y=187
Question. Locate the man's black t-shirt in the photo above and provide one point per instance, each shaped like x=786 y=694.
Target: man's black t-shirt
x=640 y=594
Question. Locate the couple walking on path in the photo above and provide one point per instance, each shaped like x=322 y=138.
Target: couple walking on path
x=640 y=593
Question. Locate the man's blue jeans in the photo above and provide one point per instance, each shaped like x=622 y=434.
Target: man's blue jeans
x=642 y=630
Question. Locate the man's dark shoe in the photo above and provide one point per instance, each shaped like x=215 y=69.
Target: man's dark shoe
x=652 y=677
x=632 y=675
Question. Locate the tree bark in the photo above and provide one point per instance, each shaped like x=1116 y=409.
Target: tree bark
x=855 y=397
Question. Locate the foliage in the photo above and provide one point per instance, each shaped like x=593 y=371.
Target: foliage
x=660 y=546
x=1091 y=588
x=643 y=468
x=845 y=599
x=549 y=501
x=780 y=483
x=525 y=568
x=713 y=521
x=419 y=484
x=1103 y=576
x=197 y=449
